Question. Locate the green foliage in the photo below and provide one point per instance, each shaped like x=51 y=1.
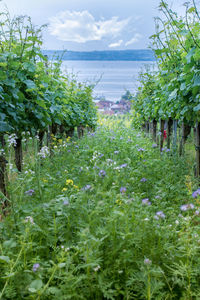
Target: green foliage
x=34 y=92
x=172 y=91
x=78 y=228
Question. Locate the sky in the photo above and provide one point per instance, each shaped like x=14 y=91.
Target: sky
x=87 y=25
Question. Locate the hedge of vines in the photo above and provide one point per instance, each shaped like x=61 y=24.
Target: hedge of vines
x=171 y=91
x=35 y=96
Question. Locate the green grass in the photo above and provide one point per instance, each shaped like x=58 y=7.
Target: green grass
x=85 y=233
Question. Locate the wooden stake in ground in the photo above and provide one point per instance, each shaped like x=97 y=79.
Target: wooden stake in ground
x=169 y=132
x=154 y=130
x=18 y=153
x=174 y=134
x=197 y=146
x=186 y=129
x=162 y=123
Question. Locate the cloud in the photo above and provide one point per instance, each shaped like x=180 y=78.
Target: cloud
x=117 y=44
x=134 y=40
x=81 y=27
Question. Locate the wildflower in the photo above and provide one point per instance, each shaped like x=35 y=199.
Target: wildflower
x=147 y=262
x=160 y=214
x=196 y=193
x=122 y=190
x=102 y=173
x=123 y=166
x=197 y=212
x=97 y=268
x=143 y=179
x=87 y=187
x=30 y=192
x=157 y=197
x=69 y=181
x=65 y=202
x=140 y=149
x=116 y=152
x=186 y=207
x=35 y=267
x=146 y=201
x=176 y=222
x=29 y=219
x=64 y=189
x=44 y=152
x=12 y=140
x=154 y=146
x=69 y=151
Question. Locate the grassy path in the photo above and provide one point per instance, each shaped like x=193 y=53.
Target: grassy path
x=107 y=217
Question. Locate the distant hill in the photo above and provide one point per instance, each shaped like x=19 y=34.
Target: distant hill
x=126 y=55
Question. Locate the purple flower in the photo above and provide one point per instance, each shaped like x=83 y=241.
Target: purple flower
x=197 y=212
x=121 y=138
x=146 y=201
x=186 y=207
x=140 y=149
x=65 y=202
x=122 y=189
x=35 y=267
x=196 y=193
x=87 y=187
x=160 y=214
x=154 y=146
x=30 y=192
x=102 y=173
x=69 y=151
x=123 y=166
x=157 y=197
x=143 y=179
x=116 y=152
x=147 y=262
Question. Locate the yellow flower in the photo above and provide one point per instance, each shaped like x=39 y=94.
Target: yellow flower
x=60 y=141
x=76 y=187
x=64 y=189
x=45 y=180
x=69 y=181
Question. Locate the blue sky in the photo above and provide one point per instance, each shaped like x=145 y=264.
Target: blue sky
x=85 y=25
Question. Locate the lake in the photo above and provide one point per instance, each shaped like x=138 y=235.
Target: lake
x=113 y=78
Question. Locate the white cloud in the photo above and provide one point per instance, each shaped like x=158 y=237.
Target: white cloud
x=117 y=44
x=134 y=40
x=81 y=27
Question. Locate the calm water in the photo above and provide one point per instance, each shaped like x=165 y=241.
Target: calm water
x=113 y=78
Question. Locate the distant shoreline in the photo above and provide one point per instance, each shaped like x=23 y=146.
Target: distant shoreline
x=115 y=55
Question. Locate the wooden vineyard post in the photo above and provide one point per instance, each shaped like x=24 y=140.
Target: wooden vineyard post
x=147 y=127
x=162 y=123
x=169 y=132
x=154 y=130
x=186 y=129
x=41 y=136
x=80 y=130
x=18 y=153
x=174 y=134
x=197 y=146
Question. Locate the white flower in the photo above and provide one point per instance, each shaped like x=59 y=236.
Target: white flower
x=29 y=219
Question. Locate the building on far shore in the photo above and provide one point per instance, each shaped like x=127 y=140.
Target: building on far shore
x=109 y=108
